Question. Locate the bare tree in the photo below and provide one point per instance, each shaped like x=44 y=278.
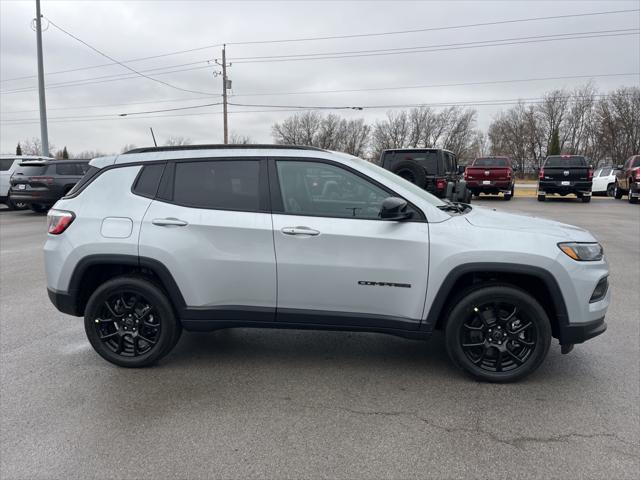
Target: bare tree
x=175 y=141
x=33 y=146
x=127 y=147
x=237 y=139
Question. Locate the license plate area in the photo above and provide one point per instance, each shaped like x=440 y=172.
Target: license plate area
x=565 y=183
x=22 y=186
x=486 y=182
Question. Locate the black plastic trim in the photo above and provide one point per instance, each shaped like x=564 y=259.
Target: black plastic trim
x=438 y=306
x=581 y=332
x=179 y=148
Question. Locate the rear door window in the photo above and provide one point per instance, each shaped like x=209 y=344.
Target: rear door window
x=218 y=184
x=67 y=169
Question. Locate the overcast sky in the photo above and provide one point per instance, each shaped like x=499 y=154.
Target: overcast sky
x=134 y=29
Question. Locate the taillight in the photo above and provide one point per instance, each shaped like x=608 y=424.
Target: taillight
x=441 y=184
x=47 y=180
x=637 y=174
x=541 y=175
x=59 y=220
x=590 y=174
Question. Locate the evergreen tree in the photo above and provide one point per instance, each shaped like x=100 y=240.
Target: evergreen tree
x=19 y=150
x=65 y=154
x=554 y=144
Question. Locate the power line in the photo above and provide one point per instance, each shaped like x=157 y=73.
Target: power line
x=298 y=108
x=353 y=90
x=122 y=64
x=438 y=48
x=334 y=37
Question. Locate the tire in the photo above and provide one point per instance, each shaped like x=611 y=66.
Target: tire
x=617 y=192
x=448 y=193
x=468 y=197
x=16 y=205
x=120 y=311
x=38 y=208
x=461 y=193
x=541 y=198
x=412 y=172
x=509 y=196
x=473 y=330
x=632 y=199
x=585 y=198
x=611 y=190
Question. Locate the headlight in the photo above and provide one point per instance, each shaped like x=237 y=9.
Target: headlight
x=583 y=252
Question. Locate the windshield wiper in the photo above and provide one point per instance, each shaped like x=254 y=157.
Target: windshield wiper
x=454 y=207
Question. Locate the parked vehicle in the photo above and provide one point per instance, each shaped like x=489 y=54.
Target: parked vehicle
x=8 y=165
x=211 y=237
x=564 y=175
x=628 y=179
x=433 y=169
x=491 y=175
x=40 y=183
x=604 y=181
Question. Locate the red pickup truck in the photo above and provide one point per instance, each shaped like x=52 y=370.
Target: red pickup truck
x=490 y=175
x=628 y=179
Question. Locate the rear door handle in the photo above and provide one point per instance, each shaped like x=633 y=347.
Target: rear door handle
x=169 y=222
x=300 y=231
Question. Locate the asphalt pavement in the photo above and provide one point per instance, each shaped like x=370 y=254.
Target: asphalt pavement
x=298 y=404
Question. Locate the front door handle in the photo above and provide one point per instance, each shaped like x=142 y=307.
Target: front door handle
x=300 y=231
x=169 y=222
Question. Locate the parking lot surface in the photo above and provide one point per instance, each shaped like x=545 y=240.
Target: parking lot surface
x=299 y=404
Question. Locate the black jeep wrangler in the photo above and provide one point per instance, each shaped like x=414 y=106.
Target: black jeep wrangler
x=433 y=169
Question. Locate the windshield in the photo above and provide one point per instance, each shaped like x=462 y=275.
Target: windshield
x=401 y=182
x=490 y=162
x=565 y=161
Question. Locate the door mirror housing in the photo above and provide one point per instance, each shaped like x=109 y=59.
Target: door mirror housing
x=395 y=209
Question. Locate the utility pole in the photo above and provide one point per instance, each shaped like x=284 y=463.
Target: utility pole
x=43 y=103
x=226 y=85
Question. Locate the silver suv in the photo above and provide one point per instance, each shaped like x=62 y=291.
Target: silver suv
x=210 y=237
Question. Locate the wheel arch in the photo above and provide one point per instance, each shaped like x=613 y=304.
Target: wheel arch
x=537 y=281
x=93 y=270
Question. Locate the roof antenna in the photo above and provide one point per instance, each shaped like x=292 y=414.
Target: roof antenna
x=153 y=136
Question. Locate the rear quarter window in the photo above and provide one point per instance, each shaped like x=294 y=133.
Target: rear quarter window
x=148 y=180
x=5 y=164
x=88 y=176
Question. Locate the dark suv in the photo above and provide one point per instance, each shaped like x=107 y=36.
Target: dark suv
x=40 y=184
x=433 y=169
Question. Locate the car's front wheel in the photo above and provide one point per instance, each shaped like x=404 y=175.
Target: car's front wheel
x=617 y=192
x=497 y=333
x=130 y=322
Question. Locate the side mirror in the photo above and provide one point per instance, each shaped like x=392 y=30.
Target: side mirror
x=461 y=169
x=395 y=209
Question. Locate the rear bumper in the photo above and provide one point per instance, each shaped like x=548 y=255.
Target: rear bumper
x=39 y=196
x=554 y=186
x=581 y=332
x=64 y=302
x=498 y=185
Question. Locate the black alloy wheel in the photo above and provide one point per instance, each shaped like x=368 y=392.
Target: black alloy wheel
x=130 y=323
x=498 y=333
x=611 y=190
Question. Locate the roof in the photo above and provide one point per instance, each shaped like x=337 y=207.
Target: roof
x=220 y=147
x=48 y=161
x=429 y=149
x=25 y=157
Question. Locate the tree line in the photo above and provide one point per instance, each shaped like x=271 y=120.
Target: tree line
x=605 y=128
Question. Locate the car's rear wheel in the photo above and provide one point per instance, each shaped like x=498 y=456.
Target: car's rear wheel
x=585 y=198
x=38 y=208
x=541 y=198
x=497 y=333
x=617 y=194
x=508 y=196
x=632 y=199
x=611 y=190
x=16 y=205
x=130 y=322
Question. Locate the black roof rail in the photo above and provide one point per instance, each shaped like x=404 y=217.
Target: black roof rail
x=220 y=147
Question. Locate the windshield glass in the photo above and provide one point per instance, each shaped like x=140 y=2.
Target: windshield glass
x=565 y=161
x=402 y=183
x=490 y=162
